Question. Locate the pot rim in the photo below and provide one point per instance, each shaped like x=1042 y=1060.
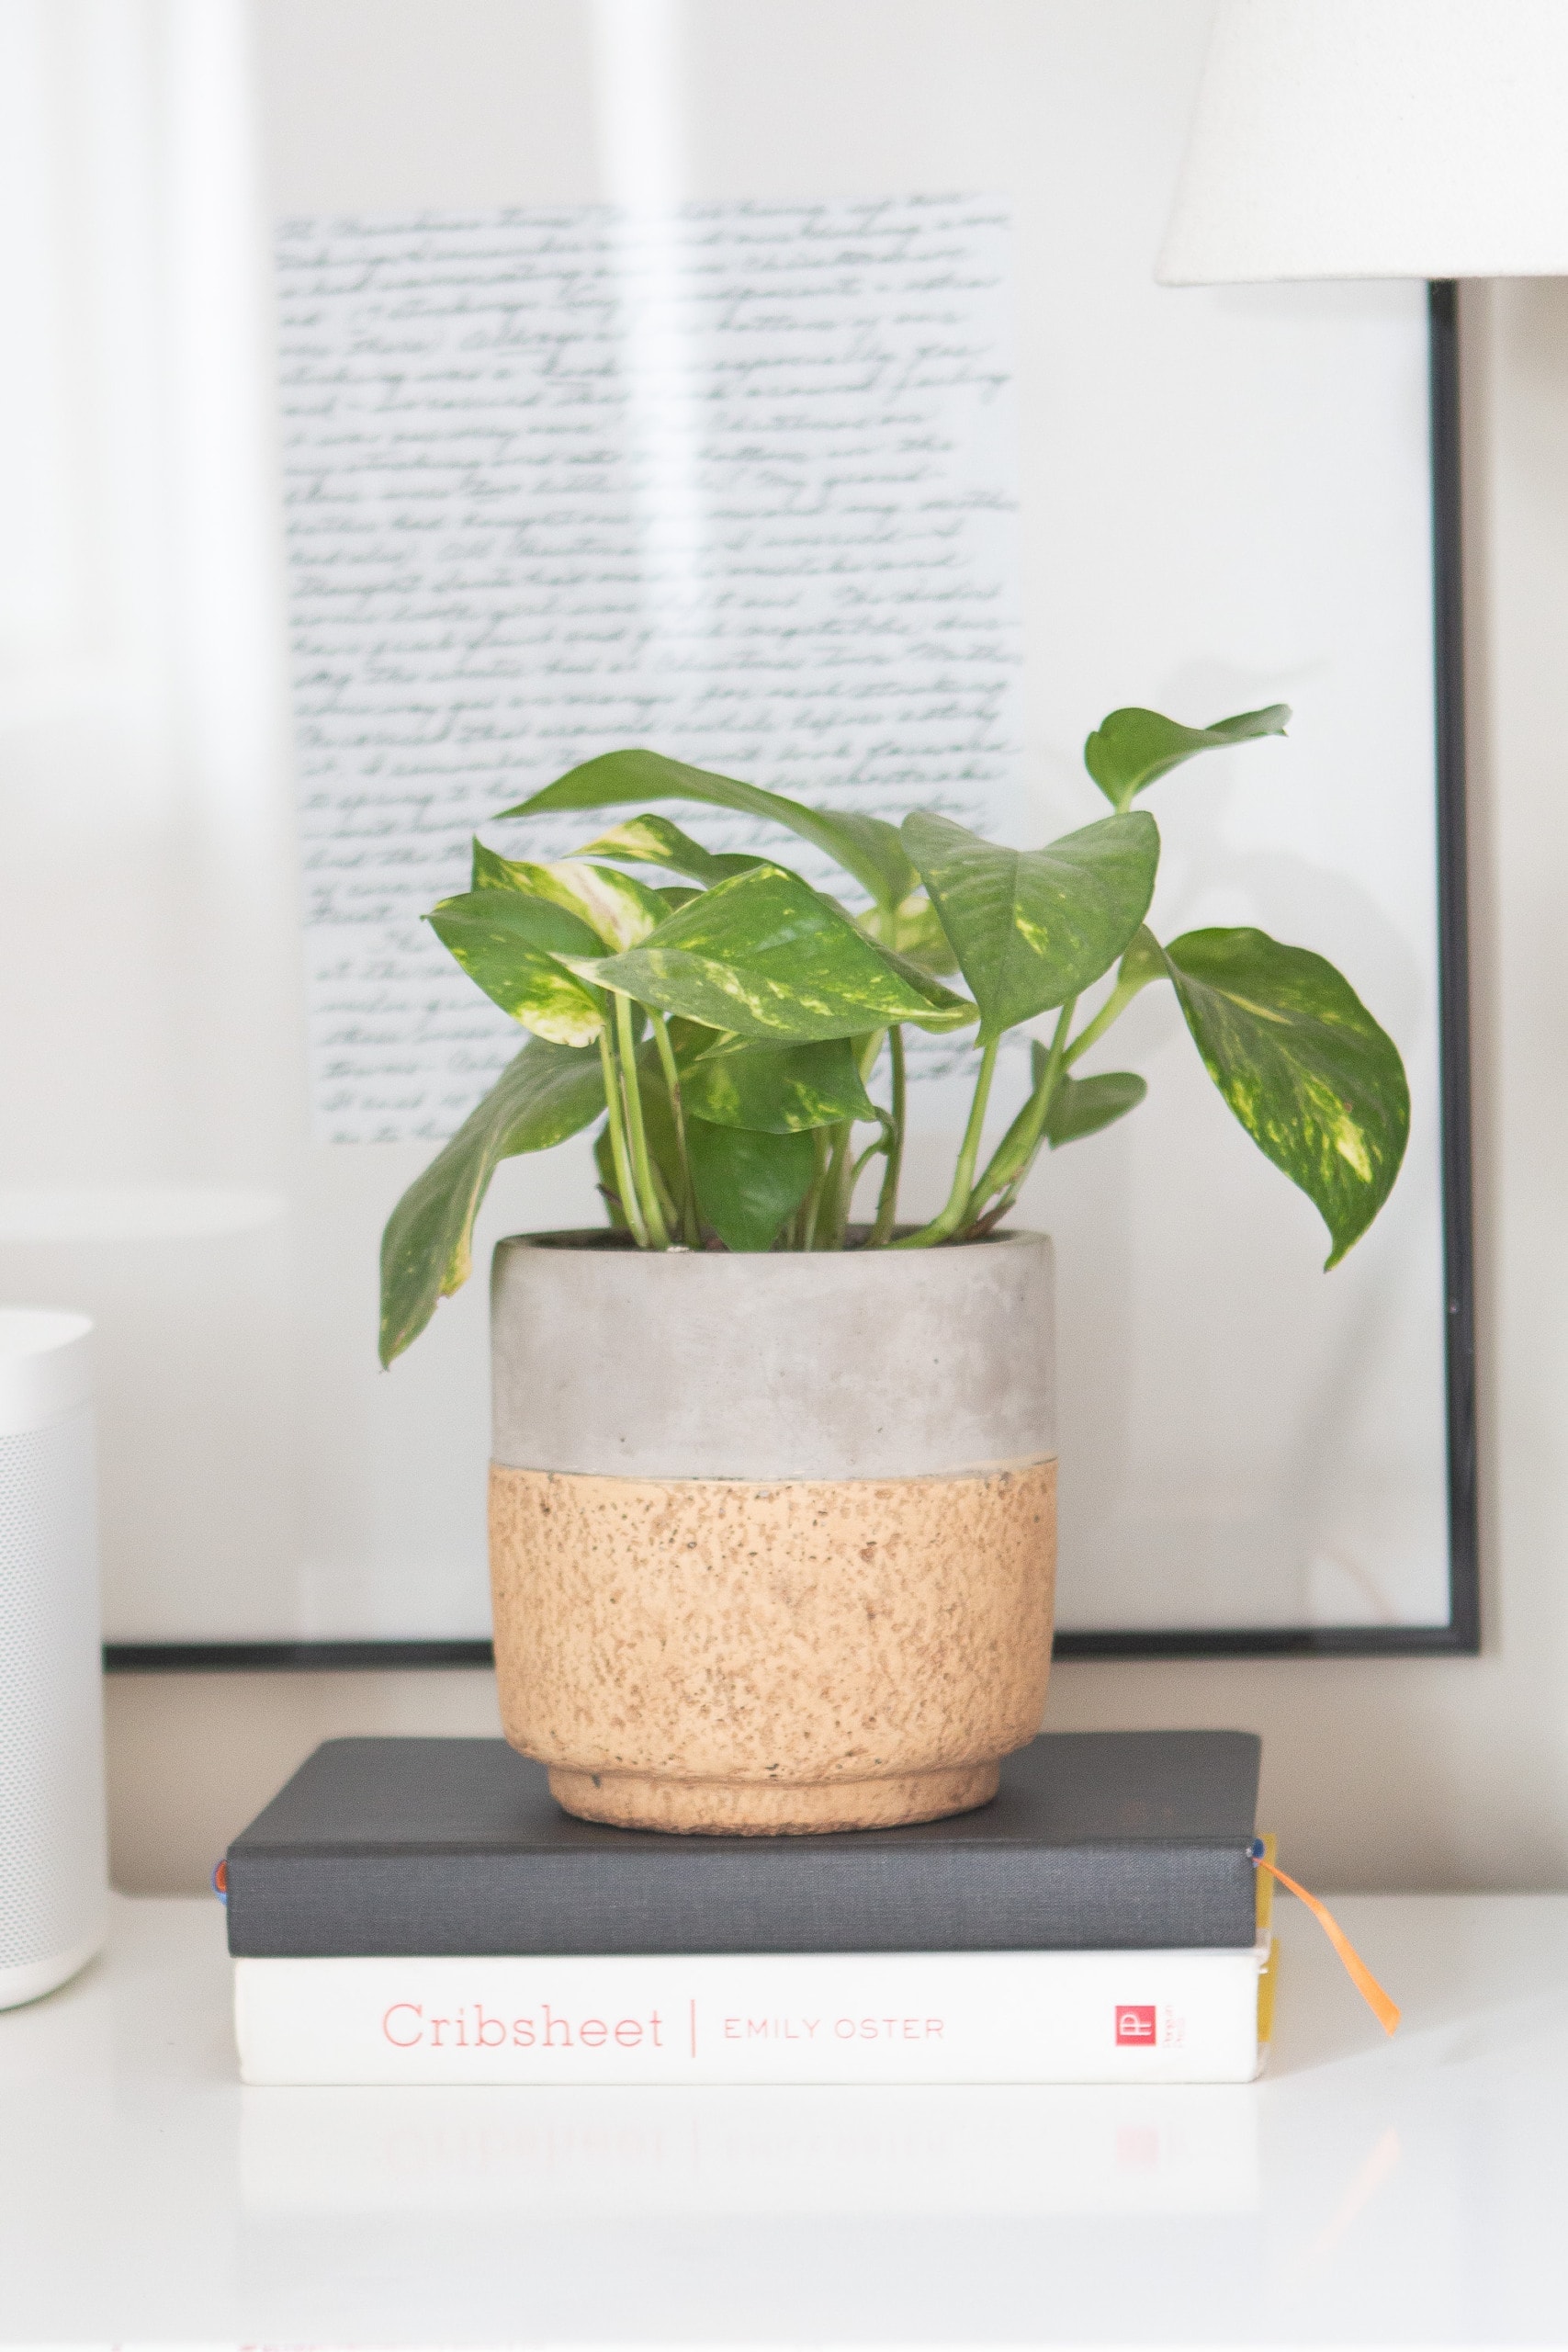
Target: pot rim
x=604 y=1241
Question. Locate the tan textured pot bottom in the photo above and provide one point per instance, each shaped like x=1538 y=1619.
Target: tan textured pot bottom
x=714 y=1656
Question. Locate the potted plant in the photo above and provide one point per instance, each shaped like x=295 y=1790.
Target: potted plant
x=773 y=1499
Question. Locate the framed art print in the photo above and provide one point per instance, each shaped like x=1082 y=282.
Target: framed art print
x=784 y=387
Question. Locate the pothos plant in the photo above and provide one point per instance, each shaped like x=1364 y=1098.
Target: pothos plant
x=727 y=1027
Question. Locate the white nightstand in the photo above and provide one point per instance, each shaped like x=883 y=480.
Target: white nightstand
x=1368 y=2193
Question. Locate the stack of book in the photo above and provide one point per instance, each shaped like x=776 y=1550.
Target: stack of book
x=421 y=1911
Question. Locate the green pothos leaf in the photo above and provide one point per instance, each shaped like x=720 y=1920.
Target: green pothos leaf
x=746 y=1184
x=546 y=1094
x=1316 y=1083
x=1082 y=1106
x=766 y=957
x=864 y=846
x=1031 y=928
x=619 y=909
x=513 y=944
x=1133 y=748
x=654 y=841
x=490 y=870
x=777 y=1089
x=919 y=937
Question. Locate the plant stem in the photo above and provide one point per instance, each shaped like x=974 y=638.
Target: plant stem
x=812 y=1204
x=880 y=1144
x=1115 y=1005
x=637 y=1136
x=630 y=1208
x=690 y=1229
x=952 y=1216
x=1014 y=1156
x=843 y=1177
x=888 y=1199
x=833 y=1200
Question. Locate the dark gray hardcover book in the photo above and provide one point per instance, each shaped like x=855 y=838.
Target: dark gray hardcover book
x=1095 y=1841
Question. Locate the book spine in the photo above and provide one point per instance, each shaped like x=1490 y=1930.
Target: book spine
x=1000 y=2016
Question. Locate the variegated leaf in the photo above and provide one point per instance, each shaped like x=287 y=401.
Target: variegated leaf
x=867 y=847
x=1316 y=1082
x=618 y=908
x=512 y=944
x=778 y=1090
x=545 y=1094
x=654 y=841
x=1031 y=928
x=767 y=957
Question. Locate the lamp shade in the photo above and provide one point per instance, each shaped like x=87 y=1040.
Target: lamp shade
x=1376 y=139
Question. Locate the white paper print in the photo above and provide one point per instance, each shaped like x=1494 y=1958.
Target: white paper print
x=736 y=480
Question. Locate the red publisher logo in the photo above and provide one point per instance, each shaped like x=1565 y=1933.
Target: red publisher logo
x=1136 y=2026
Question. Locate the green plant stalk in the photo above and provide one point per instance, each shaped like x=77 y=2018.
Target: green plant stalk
x=871 y=1151
x=630 y=1206
x=952 y=1216
x=888 y=1199
x=811 y=1206
x=671 y=1213
x=879 y=1144
x=636 y=1135
x=843 y=1176
x=1091 y=1032
x=834 y=1200
x=690 y=1229
x=1014 y=1156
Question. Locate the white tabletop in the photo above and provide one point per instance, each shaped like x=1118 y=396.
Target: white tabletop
x=1367 y=2192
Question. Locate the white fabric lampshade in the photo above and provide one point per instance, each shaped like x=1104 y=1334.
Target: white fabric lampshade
x=1376 y=139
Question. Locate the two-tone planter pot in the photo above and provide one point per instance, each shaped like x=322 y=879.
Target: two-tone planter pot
x=772 y=1538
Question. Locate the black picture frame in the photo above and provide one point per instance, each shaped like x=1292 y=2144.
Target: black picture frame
x=1461 y=1633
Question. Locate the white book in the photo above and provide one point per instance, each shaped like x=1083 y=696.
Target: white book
x=952 y=2017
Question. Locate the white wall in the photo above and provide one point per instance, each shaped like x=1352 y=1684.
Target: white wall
x=1407 y=1773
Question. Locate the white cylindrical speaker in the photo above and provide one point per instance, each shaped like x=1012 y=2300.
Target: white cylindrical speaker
x=54 y=1866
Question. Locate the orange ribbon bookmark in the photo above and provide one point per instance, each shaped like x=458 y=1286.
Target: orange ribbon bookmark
x=1385 y=2010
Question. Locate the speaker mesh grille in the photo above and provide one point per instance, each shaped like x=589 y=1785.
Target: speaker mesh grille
x=52 y=1803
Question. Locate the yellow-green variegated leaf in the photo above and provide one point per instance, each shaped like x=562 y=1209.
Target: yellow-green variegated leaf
x=867 y=847
x=490 y=871
x=619 y=909
x=944 y=1010
x=545 y=1094
x=1031 y=928
x=513 y=943
x=766 y=957
x=1318 y=1086
x=778 y=1090
x=654 y=841
x=1133 y=748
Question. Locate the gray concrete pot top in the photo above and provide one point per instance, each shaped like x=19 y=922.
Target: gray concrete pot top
x=621 y=1362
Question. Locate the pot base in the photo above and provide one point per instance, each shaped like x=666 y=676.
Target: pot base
x=772 y=1808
